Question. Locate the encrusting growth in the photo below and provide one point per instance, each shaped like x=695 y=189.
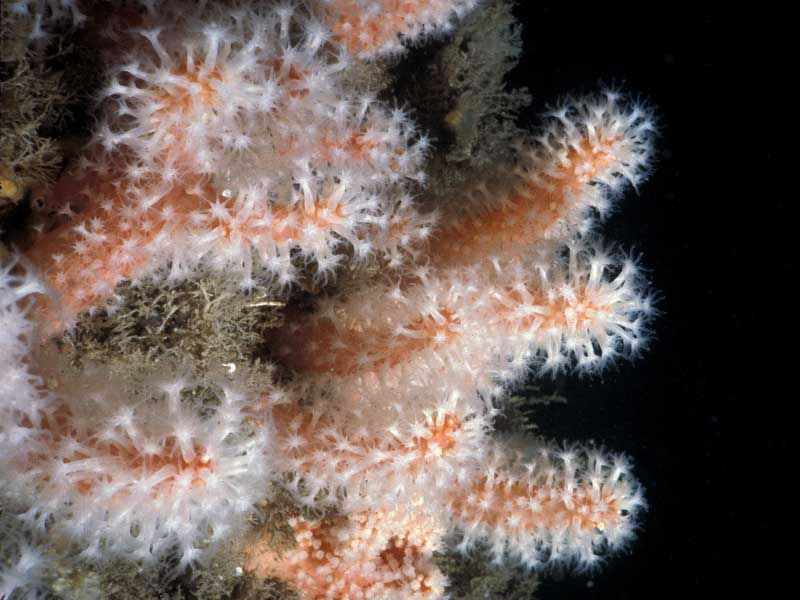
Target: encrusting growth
x=382 y=553
x=233 y=144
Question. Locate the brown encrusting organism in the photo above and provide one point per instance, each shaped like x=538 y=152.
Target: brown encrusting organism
x=45 y=84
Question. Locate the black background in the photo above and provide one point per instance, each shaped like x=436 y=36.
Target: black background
x=699 y=414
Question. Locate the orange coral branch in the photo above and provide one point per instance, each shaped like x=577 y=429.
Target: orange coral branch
x=367 y=29
x=341 y=451
x=549 y=506
x=550 y=197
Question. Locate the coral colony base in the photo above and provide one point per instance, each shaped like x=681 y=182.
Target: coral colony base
x=242 y=164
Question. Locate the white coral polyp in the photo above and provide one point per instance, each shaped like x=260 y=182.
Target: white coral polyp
x=370 y=29
x=361 y=455
x=159 y=476
x=141 y=481
x=254 y=98
x=232 y=140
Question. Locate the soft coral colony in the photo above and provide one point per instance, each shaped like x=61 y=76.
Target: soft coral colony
x=234 y=140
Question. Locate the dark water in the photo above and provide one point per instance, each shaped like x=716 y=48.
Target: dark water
x=684 y=412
